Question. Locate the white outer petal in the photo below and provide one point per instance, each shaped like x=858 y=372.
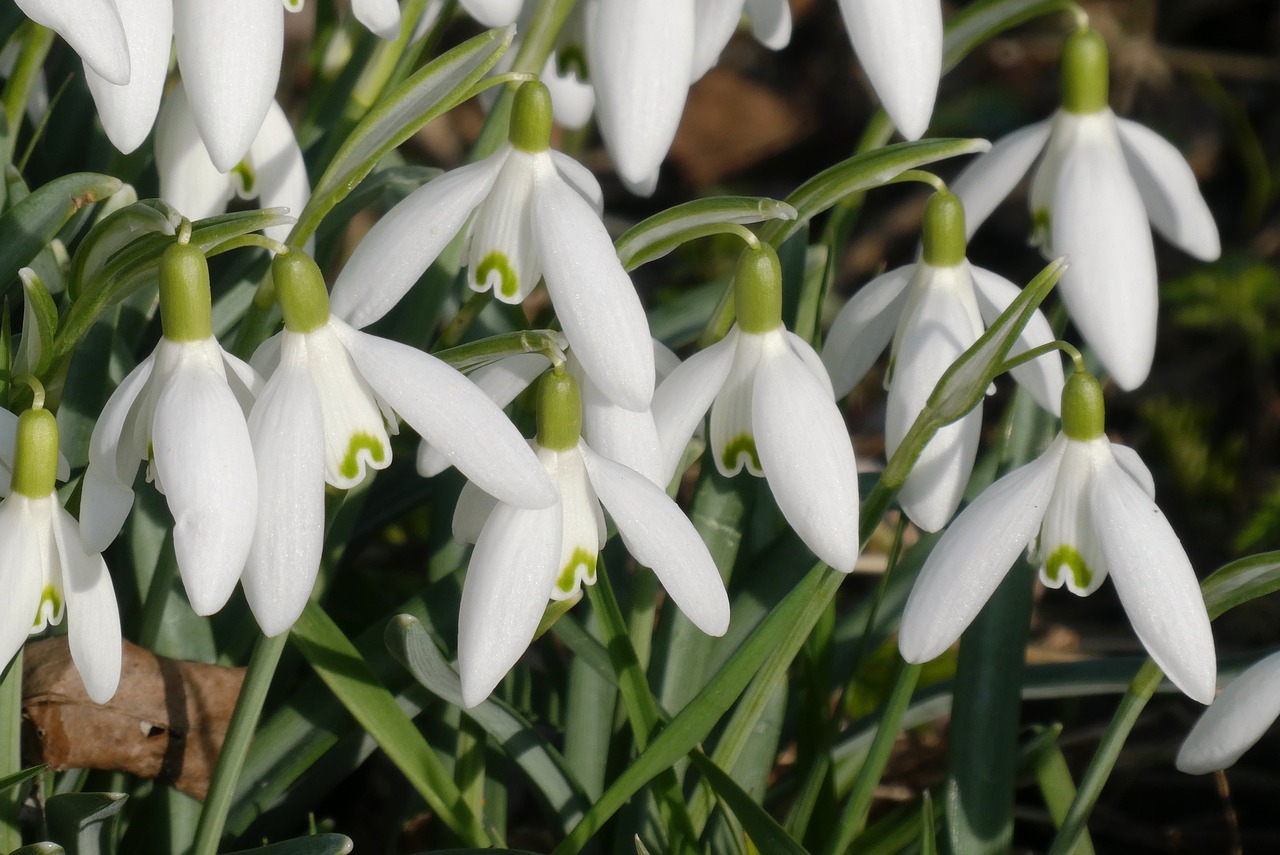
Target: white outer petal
x=715 y=23
x=1131 y=463
x=129 y=111
x=1169 y=191
x=505 y=594
x=974 y=555
x=986 y=182
x=593 y=297
x=93 y=618
x=659 y=536
x=1099 y=223
x=682 y=400
x=447 y=410
x=407 y=240
x=229 y=53
x=93 y=29
x=204 y=459
x=382 y=17
x=280 y=170
x=1042 y=377
x=770 y=22
x=1154 y=579
x=471 y=513
x=641 y=57
x=188 y=179
x=807 y=456
x=493 y=13
x=899 y=43
x=864 y=327
x=21 y=573
x=287 y=431
x=1237 y=719
x=580 y=179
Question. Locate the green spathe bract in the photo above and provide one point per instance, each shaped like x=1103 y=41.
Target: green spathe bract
x=35 y=458
x=304 y=301
x=757 y=290
x=185 y=312
x=1084 y=72
x=559 y=411
x=1083 y=413
x=943 y=237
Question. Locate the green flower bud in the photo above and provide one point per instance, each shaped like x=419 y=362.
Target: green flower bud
x=35 y=458
x=185 y=313
x=1083 y=413
x=530 y=128
x=559 y=411
x=304 y=300
x=1085 y=72
x=757 y=290
x=944 y=239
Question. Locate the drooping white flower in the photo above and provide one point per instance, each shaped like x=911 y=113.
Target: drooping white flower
x=524 y=557
x=1235 y=721
x=47 y=570
x=273 y=171
x=900 y=47
x=939 y=307
x=643 y=58
x=182 y=410
x=532 y=219
x=1098 y=185
x=332 y=396
x=93 y=29
x=1085 y=508
x=772 y=410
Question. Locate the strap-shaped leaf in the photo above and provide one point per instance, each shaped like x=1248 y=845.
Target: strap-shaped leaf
x=660 y=234
x=765 y=832
x=84 y=823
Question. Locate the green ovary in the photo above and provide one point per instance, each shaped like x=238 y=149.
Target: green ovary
x=350 y=467
x=1066 y=556
x=568 y=581
x=49 y=611
x=738 y=446
x=497 y=261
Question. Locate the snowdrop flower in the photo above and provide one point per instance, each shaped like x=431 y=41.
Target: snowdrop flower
x=93 y=29
x=47 y=570
x=939 y=307
x=272 y=172
x=899 y=44
x=644 y=56
x=1235 y=720
x=1085 y=507
x=772 y=410
x=331 y=398
x=1098 y=185
x=523 y=557
x=182 y=410
x=532 y=219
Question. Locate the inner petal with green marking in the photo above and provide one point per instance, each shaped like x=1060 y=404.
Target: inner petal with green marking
x=580 y=569
x=508 y=284
x=367 y=443
x=1066 y=557
x=741 y=450
x=50 y=609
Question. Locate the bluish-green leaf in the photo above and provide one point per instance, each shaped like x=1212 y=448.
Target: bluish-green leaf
x=765 y=832
x=84 y=823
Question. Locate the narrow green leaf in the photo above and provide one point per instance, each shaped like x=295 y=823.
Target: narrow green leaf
x=19 y=777
x=116 y=231
x=31 y=224
x=319 y=844
x=1054 y=778
x=660 y=234
x=434 y=90
x=40 y=849
x=928 y=833
x=862 y=172
x=409 y=643
x=340 y=665
x=84 y=823
x=765 y=832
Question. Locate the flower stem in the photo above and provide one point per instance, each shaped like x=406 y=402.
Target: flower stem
x=1036 y=352
x=262 y=667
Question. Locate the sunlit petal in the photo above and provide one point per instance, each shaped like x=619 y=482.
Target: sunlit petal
x=900 y=46
x=93 y=29
x=128 y=112
x=864 y=327
x=281 y=173
x=93 y=622
x=21 y=528
x=382 y=17
x=987 y=181
x=1236 y=719
x=683 y=398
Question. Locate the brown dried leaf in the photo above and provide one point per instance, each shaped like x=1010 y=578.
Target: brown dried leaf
x=167 y=720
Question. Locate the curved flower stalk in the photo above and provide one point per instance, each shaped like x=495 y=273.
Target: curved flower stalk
x=1085 y=508
x=182 y=410
x=273 y=171
x=1098 y=185
x=939 y=307
x=332 y=396
x=524 y=557
x=47 y=570
x=900 y=47
x=643 y=58
x=772 y=410
x=1235 y=721
x=533 y=218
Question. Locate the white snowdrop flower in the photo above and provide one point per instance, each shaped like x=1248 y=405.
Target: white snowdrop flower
x=939 y=307
x=332 y=396
x=524 y=557
x=1098 y=185
x=773 y=411
x=1235 y=721
x=899 y=44
x=47 y=570
x=1085 y=508
x=644 y=56
x=273 y=171
x=182 y=410
x=533 y=218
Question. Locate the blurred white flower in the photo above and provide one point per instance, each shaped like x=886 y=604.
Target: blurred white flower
x=899 y=44
x=1098 y=185
x=1236 y=719
x=1085 y=508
